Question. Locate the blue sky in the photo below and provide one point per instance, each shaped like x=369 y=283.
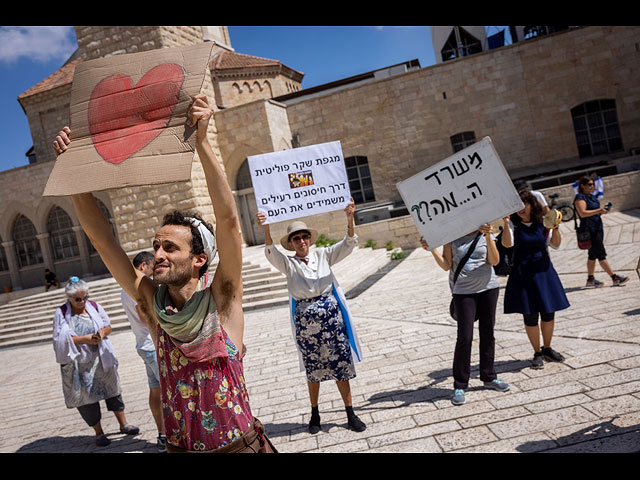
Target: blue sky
x=323 y=54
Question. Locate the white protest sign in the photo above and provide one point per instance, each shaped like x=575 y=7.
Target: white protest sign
x=460 y=193
x=300 y=182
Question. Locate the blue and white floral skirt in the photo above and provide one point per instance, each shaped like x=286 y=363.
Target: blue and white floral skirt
x=322 y=339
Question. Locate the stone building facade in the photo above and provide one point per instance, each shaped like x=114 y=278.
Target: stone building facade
x=539 y=100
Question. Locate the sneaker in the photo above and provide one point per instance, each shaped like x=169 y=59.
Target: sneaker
x=161 y=443
x=458 y=397
x=592 y=282
x=618 y=280
x=551 y=355
x=498 y=385
x=537 y=362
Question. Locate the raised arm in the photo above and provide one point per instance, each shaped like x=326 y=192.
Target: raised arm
x=101 y=237
x=227 y=285
x=444 y=261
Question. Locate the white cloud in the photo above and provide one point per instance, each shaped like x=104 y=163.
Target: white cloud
x=39 y=44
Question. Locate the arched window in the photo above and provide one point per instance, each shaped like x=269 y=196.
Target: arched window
x=462 y=140
x=359 y=179
x=596 y=127
x=107 y=216
x=27 y=245
x=64 y=243
x=243 y=179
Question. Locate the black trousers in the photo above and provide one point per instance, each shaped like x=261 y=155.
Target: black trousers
x=91 y=413
x=469 y=307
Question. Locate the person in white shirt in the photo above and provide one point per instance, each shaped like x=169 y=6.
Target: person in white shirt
x=323 y=328
x=145 y=346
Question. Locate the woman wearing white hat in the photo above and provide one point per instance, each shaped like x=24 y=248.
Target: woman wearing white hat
x=322 y=324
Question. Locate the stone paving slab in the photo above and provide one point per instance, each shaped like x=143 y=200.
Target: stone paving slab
x=589 y=403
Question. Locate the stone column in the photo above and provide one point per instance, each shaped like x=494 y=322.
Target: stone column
x=83 y=249
x=14 y=269
x=45 y=248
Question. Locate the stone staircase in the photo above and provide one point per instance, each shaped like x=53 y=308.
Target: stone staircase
x=29 y=320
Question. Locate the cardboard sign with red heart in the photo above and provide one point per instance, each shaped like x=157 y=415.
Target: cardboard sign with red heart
x=128 y=121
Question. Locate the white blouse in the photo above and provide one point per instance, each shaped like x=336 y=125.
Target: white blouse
x=315 y=278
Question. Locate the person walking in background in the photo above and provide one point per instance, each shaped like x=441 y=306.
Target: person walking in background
x=588 y=208
x=88 y=362
x=145 y=346
x=474 y=285
x=533 y=288
x=322 y=324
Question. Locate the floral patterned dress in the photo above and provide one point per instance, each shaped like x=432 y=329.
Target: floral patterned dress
x=205 y=404
x=322 y=339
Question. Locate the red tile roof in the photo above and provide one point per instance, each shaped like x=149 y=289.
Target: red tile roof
x=227 y=60
x=60 y=77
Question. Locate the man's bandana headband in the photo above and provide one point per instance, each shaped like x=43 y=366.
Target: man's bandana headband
x=208 y=239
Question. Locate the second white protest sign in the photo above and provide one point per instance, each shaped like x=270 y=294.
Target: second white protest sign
x=300 y=182
x=460 y=193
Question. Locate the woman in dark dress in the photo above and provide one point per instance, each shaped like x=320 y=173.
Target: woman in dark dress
x=589 y=211
x=534 y=288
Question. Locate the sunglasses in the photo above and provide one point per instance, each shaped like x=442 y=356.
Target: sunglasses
x=81 y=299
x=299 y=238
x=590 y=184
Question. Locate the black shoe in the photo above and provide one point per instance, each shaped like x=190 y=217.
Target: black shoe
x=551 y=355
x=314 y=423
x=314 y=428
x=537 y=363
x=355 y=423
x=102 y=440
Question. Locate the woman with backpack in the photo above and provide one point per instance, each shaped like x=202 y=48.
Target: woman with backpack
x=474 y=285
x=88 y=362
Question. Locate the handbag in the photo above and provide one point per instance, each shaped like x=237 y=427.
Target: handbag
x=582 y=232
x=452 y=310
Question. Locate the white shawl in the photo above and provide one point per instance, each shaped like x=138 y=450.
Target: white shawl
x=65 y=348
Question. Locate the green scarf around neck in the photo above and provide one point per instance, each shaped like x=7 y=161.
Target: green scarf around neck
x=185 y=325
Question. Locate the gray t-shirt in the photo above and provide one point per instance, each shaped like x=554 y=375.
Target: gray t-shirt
x=477 y=275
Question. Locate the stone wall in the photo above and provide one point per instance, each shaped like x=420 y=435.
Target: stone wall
x=520 y=95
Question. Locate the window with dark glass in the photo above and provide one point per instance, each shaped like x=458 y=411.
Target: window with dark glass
x=64 y=243
x=359 y=179
x=26 y=244
x=596 y=128
x=4 y=264
x=462 y=140
x=460 y=44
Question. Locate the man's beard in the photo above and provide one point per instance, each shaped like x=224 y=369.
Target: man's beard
x=175 y=274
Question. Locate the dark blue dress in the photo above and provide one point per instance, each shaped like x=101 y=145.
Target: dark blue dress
x=533 y=285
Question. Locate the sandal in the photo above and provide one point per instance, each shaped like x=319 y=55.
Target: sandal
x=129 y=429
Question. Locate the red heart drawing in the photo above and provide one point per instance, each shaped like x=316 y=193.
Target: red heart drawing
x=124 y=118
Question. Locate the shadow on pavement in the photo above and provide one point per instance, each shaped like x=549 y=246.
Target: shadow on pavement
x=604 y=437
x=86 y=444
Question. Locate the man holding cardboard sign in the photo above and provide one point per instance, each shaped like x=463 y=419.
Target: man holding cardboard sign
x=198 y=321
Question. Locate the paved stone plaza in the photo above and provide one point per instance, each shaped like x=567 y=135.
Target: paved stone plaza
x=589 y=403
